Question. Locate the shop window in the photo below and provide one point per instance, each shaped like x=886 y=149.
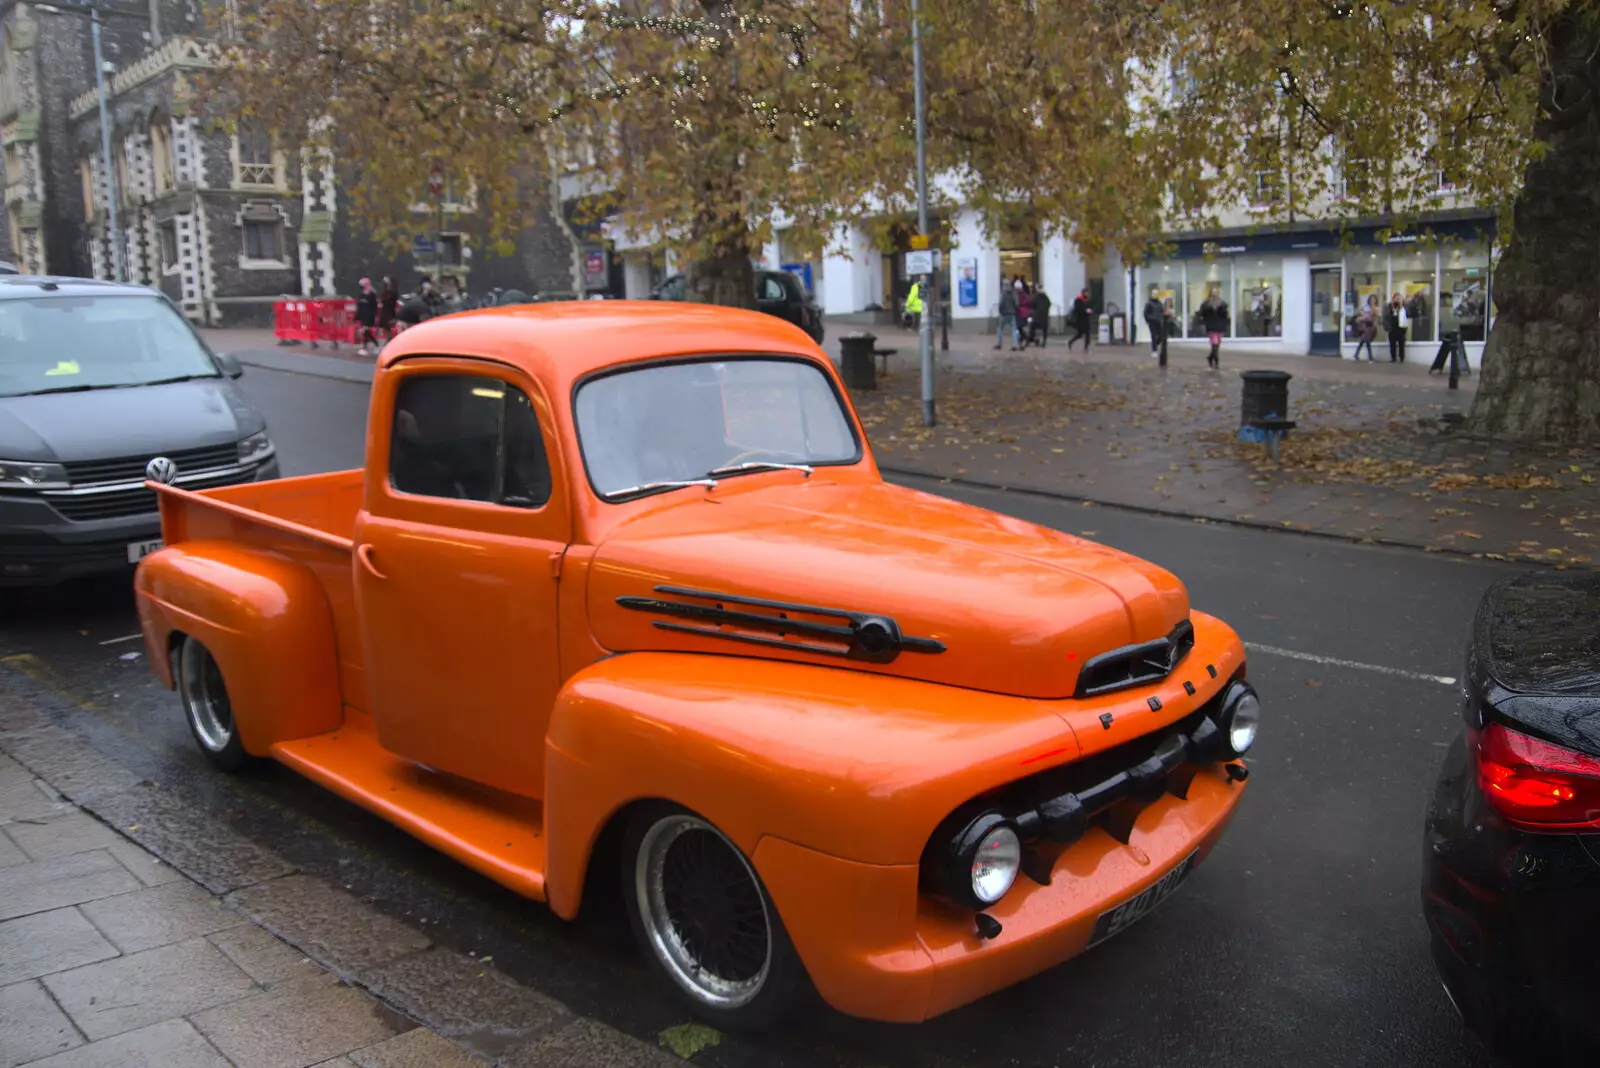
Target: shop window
x=1464 y=294
x=1412 y=276
x=1205 y=279
x=1164 y=281
x=1260 y=310
x=1366 y=281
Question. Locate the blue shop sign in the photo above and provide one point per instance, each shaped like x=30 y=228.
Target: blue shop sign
x=1472 y=230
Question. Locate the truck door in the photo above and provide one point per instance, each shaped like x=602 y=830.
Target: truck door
x=458 y=549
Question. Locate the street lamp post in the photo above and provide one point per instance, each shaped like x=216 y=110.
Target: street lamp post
x=925 y=333
x=105 y=149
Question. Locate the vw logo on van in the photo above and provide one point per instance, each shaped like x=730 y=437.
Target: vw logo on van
x=161 y=469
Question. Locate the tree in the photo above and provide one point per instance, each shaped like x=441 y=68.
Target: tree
x=701 y=118
x=1498 y=95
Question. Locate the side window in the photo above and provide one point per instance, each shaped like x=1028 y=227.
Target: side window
x=772 y=289
x=470 y=439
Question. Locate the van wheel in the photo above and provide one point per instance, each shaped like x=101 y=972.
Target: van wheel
x=206 y=704
x=705 y=922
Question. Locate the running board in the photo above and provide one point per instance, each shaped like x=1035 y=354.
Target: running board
x=497 y=834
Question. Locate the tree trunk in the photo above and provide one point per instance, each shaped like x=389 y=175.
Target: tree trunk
x=1541 y=366
x=726 y=278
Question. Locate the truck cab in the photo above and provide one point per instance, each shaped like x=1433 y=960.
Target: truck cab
x=620 y=592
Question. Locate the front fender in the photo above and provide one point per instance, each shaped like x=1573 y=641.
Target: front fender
x=267 y=622
x=850 y=764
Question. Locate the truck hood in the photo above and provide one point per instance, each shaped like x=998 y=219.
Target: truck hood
x=102 y=424
x=977 y=599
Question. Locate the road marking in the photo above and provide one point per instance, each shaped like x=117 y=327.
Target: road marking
x=1333 y=661
x=124 y=638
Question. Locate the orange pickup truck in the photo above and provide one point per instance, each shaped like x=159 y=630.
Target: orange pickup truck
x=621 y=597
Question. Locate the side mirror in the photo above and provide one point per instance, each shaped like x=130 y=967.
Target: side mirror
x=229 y=364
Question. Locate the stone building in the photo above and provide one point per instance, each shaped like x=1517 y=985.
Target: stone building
x=223 y=217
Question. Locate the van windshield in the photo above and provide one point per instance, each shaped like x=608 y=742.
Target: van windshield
x=652 y=428
x=62 y=344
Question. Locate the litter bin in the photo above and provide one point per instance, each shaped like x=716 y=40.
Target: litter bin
x=1266 y=396
x=855 y=354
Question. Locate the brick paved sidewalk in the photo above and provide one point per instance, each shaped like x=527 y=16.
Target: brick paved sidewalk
x=110 y=958
x=1369 y=460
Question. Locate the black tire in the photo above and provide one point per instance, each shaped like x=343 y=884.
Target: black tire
x=694 y=860
x=207 y=707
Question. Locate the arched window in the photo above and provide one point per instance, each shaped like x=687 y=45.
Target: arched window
x=161 y=152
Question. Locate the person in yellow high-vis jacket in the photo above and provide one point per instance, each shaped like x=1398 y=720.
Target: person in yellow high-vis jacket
x=914 y=303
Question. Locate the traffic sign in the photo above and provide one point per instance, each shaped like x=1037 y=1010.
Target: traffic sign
x=919 y=261
x=920 y=241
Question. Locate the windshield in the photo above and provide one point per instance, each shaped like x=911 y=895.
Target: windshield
x=679 y=421
x=53 y=344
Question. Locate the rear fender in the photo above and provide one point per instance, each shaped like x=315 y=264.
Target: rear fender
x=265 y=620
x=845 y=763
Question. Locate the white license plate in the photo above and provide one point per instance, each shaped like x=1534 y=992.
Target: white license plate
x=1130 y=912
x=138 y=550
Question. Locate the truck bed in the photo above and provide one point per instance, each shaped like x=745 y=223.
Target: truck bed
x=307 y=519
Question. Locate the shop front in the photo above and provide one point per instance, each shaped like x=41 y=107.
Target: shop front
x=1307 y=290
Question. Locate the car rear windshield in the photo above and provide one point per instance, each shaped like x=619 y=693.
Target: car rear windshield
x=668 y=422
x=54 y=344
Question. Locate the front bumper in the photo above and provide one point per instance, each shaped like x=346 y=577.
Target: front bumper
x=842 y=915
x=41 y=547
x=1511 y=914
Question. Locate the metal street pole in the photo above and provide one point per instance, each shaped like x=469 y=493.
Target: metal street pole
x=925 y=340
x=105 y=149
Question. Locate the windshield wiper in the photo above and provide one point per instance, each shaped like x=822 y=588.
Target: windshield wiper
x=647 y=487
x=80 y=388
x=165 y=381
x=760 y=465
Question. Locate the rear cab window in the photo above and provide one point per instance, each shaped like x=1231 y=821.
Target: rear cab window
x=469 y=438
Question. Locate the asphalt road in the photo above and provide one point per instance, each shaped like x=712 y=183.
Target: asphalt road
x=1299 y=942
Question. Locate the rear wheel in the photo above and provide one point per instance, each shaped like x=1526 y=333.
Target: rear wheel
x=704 y=921
x=207 y=707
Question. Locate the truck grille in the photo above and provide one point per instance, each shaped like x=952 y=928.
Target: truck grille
x=115 y=504
x=129 y=468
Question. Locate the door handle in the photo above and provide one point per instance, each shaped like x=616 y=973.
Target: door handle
x=364 y=554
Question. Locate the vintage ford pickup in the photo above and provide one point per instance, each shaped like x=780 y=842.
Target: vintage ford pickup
x=621 y=599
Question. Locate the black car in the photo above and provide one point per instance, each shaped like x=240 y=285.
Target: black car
x=779 y=293
x=1511 y=874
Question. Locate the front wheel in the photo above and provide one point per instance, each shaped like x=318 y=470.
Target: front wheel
x=705 y=922
x=207 y=707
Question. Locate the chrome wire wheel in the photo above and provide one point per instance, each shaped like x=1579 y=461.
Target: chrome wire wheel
x=704 y=914
x=205 y=697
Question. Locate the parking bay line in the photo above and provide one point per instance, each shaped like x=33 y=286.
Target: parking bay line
x=1333 y=661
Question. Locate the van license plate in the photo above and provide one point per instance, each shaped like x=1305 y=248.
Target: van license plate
x=138 y=550
x=1130 y=912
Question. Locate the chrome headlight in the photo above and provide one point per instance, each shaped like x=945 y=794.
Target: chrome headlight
x=1240 y=718
x=977 y=865
x=255 y=448
x=24 y=474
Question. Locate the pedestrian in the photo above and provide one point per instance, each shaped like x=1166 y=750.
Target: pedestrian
x=367 y=317
x=1214 y=320
x=1080 y=319
x=388 y=308
x=415 y=309
x=1024 y=313
x=430 y=295
x=913 y=316
x=1395 y=321
x=1008 y=317
x=1040 y=323
x=1366 y=330
x=1155 y=317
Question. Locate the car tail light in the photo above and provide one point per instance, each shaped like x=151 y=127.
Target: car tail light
x=1536 y=783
